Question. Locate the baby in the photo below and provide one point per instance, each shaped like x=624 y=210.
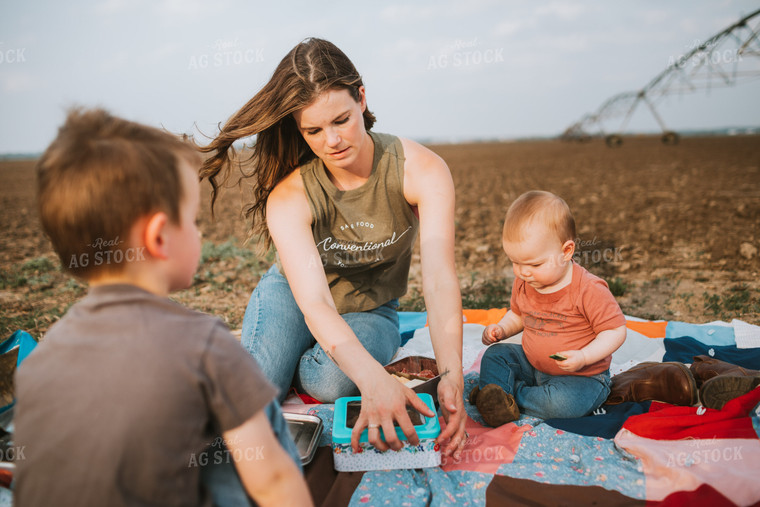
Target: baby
x=570 y=320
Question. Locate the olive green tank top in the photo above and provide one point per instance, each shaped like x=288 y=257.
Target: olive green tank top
x=365 y=235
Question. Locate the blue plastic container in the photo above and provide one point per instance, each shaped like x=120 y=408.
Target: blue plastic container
x=426 y=454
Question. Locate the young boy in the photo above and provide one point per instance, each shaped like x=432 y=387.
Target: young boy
x=125 y=399
x=571 y=323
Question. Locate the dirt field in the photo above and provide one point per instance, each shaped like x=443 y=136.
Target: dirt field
x=674 y=229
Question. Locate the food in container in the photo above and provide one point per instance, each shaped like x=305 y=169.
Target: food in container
x=418 y=373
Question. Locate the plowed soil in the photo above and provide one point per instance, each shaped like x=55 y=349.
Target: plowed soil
x=675 y=230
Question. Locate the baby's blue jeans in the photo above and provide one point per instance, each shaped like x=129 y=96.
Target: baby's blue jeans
x=537 y=393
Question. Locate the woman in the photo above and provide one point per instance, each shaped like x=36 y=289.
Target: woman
x=342 y=205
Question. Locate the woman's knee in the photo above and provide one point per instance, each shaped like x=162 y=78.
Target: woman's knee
x=273 y=315
x=325 y=382
x=377 y=331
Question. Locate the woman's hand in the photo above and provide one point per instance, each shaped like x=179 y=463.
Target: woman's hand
x=451 y=401
x=384 y=401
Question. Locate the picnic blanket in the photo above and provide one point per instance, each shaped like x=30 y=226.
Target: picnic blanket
x=630 y=454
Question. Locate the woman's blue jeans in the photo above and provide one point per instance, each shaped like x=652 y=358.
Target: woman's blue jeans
x=537 y=393
x=276 y=335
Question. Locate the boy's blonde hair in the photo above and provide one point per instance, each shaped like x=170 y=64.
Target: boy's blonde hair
x=97 y=178
x=550 y=210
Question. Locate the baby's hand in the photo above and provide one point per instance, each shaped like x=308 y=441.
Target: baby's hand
x=574 y=362
x=492 y=334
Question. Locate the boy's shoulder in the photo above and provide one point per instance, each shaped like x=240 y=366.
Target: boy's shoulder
x=132 y=317
x=127 y=299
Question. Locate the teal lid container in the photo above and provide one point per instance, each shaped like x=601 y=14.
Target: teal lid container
x=429 y=429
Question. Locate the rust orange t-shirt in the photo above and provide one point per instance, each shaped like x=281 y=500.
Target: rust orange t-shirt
x=568 y=319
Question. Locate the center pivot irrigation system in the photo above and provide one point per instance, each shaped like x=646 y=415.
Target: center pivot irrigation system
x=731 y=56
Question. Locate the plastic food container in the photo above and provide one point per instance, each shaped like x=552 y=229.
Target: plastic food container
x=424 y=455
x=408 y=367
x=305 y=430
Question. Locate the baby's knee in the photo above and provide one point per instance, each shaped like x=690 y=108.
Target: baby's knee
x=559 y=407
x=499 y=354
x=560 y=410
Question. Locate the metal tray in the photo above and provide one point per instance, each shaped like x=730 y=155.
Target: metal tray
x=306 y=431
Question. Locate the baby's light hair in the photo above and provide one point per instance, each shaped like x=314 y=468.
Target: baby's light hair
x=545 y=207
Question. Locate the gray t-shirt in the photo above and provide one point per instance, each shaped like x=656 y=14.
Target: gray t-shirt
x=120 y=401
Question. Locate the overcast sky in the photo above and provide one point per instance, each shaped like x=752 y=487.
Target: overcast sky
x=440 y=70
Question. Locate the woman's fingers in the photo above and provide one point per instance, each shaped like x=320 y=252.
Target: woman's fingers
x=416 y=402
x=374 y=437
x=391 y=439
x=452 y=408
x=390 y=418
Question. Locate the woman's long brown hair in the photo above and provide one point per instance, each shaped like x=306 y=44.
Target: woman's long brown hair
x=309 y=69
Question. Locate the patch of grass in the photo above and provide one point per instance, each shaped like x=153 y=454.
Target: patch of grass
x=37 y=273
x=38 y=265
x=222 y=264
x=653 y=283
x=75 y=286
x=413 y=301
x=32 y=321
x=211 y=252
x=202 y=276
x=484 y=295
x=641 y=299
x=735 y=303
x=12 y=279
x=686 y=297
x=489 y=294
x=618 y=287
x=41 y=282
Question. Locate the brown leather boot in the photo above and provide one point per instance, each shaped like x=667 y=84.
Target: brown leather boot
x=705 y=367
x=473 y=395
x=667 y=382
x=496 y=406
x=717 y=391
